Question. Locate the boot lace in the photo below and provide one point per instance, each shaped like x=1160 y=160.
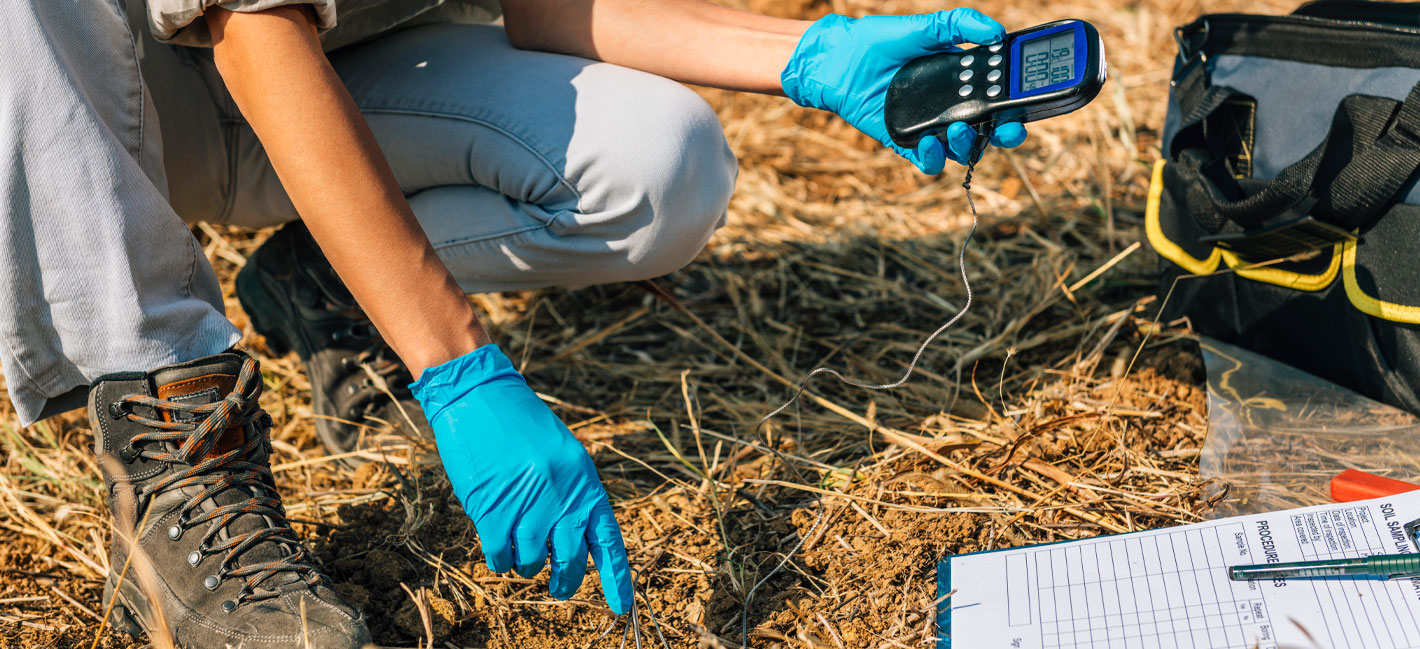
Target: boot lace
x=195 y=431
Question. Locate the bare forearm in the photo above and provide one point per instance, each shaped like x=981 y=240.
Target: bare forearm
x=688 y=40
x=331 y=167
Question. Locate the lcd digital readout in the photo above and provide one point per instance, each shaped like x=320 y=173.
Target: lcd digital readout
x=1047 y=60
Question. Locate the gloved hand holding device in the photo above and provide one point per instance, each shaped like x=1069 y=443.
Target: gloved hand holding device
x=522 y=477
x=844 y=65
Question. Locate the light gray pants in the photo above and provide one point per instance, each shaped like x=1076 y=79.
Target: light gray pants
x=526 y=169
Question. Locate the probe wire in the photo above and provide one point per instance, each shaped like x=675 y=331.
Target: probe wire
x=978 y=147
x=632 y=628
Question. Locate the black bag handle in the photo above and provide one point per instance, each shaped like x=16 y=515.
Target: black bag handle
x=1371 y=151
x=1373 y=178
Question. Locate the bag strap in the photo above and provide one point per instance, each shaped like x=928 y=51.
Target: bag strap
x=1197 y=98
x=1345 y=181
x=1373 y=178
x=1209 y=182
x=1208 y=202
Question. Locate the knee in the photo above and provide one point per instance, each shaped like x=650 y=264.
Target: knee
x=668 y=185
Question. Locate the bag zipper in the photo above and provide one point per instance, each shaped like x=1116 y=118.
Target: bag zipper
x=1300 y=21
x=1383 y=13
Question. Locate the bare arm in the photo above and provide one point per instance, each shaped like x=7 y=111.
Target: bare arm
x=688 y=40
x=328 y=161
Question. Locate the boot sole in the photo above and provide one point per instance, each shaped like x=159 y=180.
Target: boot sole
x=137 y=619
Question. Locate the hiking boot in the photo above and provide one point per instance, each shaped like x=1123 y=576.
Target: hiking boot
x=295 y=299
x=202 y=552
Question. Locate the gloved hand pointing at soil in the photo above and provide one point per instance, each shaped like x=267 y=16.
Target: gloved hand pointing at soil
x=844 y=65
x=522 y=477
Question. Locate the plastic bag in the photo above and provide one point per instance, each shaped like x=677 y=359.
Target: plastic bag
x=1277 y=435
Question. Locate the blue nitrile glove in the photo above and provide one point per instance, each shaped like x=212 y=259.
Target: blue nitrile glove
x=522 y=477
x=844 y=65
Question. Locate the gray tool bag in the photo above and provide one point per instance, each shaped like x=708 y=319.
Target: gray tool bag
x=1285 y=204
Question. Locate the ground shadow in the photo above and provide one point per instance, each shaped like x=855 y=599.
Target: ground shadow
x=666 y=382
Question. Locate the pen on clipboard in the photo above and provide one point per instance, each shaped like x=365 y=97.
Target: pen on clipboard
x=1382 y=566
x=1385 y=566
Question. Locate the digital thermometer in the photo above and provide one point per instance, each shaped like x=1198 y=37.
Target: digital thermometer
x=1031 y=74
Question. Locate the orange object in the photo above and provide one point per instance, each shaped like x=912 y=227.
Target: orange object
x=1352 y=485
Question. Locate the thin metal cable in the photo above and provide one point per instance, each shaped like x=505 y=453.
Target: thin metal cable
x=651 y=613
x=614 y=621
x=977 y=149
x=749 y=597
x=633 y=628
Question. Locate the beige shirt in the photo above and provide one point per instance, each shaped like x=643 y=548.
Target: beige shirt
x=340 y=22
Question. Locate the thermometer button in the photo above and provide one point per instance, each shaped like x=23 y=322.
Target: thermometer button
x=965 y=75
x=993 y=91
x=967 y=60
x=994 y=60
x=993 y=76
x=965 y=90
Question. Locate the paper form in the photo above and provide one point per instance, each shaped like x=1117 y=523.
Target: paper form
x=1169 y=589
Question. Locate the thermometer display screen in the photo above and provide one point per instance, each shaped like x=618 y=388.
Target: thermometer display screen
x=1047 y=60
x=1032 y=74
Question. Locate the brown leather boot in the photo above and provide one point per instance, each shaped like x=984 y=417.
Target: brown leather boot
x=185 y=455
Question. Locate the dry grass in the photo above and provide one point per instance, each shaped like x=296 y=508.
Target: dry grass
x=1055 y=409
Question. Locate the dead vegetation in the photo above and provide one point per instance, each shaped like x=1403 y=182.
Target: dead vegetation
x=1055 y=409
